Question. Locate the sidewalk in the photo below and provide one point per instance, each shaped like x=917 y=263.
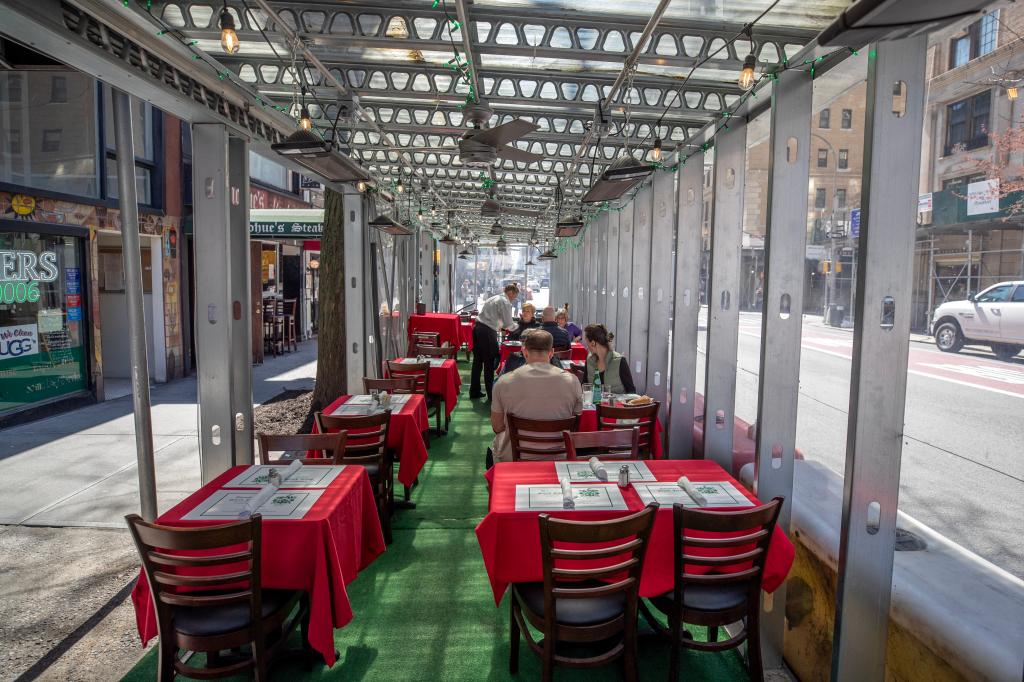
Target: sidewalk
x=67 y=559
x=819 y=321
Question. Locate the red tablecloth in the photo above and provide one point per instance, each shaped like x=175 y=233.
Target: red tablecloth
x=445 y=324
x=510 y=540
x=579 y=352
x=588 y=422
x=444 y=380
x=405 y=435
x=466 y=333
x=321 y=553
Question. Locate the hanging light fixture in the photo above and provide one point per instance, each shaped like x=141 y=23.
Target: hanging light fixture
x=361 y=186
x=496 y=228
x=400 y=187
x=228 y=37
x=1011 y=92
x=656 y=152
x=746 y=79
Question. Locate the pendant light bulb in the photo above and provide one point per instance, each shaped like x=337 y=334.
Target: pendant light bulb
x=1011 y=92
x=361 y=185
x=305 y=120
x=400 y=187
x=746 y=79
x=656 y=152
x=228 y=37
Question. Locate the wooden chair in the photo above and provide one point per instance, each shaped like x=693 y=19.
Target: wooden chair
x=289 y=337
x=367 y=446
x=271 y=341
x=645 y=416
x=394 y=385
x=717 y=599
x=614 y=444
x=423 y=339
x=206 y=589
x=446 y=352
x=564 y=354
x=589 y=593
x=420 y=372
x=539 y=439
x=329 y=447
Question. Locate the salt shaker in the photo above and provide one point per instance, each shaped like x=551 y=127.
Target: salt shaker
x=274 y=478
x=624 y=476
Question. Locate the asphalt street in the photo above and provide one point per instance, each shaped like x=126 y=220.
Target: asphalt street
x=963 y=451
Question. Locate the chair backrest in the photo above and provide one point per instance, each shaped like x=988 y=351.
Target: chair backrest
x=417 y=371
x=713 y=539
x=393 y=385
x=614 y=444
x=447 y=352
x=289 y=306
x=424 y=339
x=538 y=439
x=614 y=557
x=465 y=317
x=200 y=567
x=329 y=447
x=367 y=436
x=645 y=415
x=564 y=354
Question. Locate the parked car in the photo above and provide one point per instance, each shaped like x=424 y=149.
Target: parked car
x=994 y=317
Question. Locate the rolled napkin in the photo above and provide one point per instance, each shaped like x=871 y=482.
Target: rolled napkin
x=257 y=501
x=567 y=501
x=598 y=468
x=291 y=470
x=692 y=491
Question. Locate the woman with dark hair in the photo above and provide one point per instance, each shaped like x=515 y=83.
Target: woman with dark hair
x=612 y=367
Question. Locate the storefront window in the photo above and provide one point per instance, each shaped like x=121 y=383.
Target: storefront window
x=145 y=148
x=42 y=319
x=48 y=131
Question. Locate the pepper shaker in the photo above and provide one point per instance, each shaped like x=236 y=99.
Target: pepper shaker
x=624 y=476
x=274 y=478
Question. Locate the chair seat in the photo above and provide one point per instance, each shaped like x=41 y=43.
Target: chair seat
x=589 y=611
x=372 y=470
x=705 y=598
x=206 y=621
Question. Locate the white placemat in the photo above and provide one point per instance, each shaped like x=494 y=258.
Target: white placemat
x=717 y=493
x=580 y=472
x=227 y=505
x=599 y=496
x=434 y=362
x=312 y=476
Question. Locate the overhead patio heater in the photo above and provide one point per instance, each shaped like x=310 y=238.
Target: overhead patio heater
x=625 y=173
x=389 y=226
x=305 y=148
x=569 y=228
x=547 y=255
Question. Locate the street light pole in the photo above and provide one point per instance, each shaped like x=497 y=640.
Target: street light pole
x=830 y=275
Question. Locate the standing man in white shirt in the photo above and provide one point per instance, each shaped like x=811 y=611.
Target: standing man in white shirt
x=495 y=315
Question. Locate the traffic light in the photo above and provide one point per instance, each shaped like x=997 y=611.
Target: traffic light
x=826 y=267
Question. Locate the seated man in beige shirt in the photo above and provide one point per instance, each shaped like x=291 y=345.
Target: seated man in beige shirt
x=537 y=390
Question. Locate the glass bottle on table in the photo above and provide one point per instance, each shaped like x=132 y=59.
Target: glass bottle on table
x=597 y=389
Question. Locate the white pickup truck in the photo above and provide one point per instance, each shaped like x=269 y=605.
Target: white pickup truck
x=993 y=317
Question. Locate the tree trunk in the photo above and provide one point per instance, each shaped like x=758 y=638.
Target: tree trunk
x=331 y=380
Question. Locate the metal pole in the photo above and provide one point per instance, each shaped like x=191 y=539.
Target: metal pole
x=723 y=294
x=970 y=259
x=686 y=307
x=132 y=260
x=781 y=321
x=881 y=341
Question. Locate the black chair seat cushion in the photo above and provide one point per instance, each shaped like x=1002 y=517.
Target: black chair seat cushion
x=588 y=611
x=372 y=470
x=206 y=621
x=705 y=598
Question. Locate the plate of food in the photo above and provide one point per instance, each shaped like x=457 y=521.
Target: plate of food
x=640 y=401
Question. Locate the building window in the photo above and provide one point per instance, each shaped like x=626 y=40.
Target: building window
x=840 y=198
x=823 y=118
x=847 y=121
x=51 y=140
x=979 y=39
x=844 y=159
x=34 y=153
x=822 y=158
x=59 y=89
x=819 y=197
x=967 y=122
x=145 y=134
x=958 y=186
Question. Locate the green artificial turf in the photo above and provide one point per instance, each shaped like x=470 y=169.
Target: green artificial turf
x=424 y=609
